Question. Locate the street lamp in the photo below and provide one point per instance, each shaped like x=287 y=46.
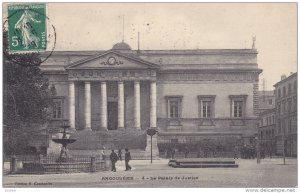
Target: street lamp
x=257 y=138
x=151 y=132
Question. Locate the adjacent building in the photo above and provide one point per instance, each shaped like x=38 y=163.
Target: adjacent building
x=109 y=98
x=267 y=122
x=266 y=100
x=286 y=115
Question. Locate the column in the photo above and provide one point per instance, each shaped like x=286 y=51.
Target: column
x=120 y=105
x=72 y=105
x=137 y=105
x=153 y=104
x=103 y=106
x=87 y=107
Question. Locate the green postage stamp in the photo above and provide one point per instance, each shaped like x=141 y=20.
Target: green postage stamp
x=27 y=27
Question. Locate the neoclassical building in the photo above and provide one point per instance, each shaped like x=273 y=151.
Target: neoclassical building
x=109 y=98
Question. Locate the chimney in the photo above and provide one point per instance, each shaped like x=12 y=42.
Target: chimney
x=283 y=76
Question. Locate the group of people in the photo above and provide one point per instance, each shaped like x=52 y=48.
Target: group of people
x=114 y=158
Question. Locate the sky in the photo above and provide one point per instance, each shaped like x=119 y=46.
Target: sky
x=165 y=26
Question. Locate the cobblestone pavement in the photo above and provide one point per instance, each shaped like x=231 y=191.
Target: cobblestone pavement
x=270 y=173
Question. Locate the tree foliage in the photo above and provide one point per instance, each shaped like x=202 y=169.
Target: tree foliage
x=27 y=98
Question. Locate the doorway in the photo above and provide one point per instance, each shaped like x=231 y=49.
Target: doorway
x=112 y=108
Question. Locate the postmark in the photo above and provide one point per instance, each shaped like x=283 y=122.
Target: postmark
x=27 y=27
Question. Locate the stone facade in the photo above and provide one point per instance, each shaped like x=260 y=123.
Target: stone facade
x=286 y=115
x=179 y=92
x=267 y=122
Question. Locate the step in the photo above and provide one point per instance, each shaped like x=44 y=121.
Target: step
x=206 y=166
x=87 y=139
x=203 y=163
x=206 y=160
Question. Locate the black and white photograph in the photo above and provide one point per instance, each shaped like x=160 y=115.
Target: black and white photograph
x=150 y=95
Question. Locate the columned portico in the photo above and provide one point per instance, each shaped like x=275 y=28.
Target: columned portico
x=153 y=105
x=72 y=104
x=87 y=107
x=120 y=105
x=137 y=105
x=107 y=77
x=103 y=106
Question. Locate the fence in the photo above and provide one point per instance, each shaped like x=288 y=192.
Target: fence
x=51 y=164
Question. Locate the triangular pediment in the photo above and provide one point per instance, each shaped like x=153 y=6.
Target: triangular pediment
x=112 y=60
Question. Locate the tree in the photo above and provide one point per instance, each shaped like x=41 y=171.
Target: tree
x=27 y=98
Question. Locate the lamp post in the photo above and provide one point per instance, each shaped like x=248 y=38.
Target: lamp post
x=284 y=148
x=151 y=132
x=258 y=149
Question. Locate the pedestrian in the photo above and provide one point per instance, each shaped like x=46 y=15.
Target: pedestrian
x=263 y=155
x=198 y=153
x=167 y=153
x=103 y=154
x=186 y=152
x=113 y=158
x=120 y=154
x=127 y=159
x=173 y=153
x=236 y=152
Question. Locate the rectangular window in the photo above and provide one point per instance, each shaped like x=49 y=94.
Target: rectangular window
x=270 y=101
x=174 y=109
x=284 y=91
x=279 y=126
x=206 y=106
x=295 y=103
x=174 y=106
x=284 y=106
x=290 y=125
x=238 y=103
x=289 y=105
x=206 y=109
x=279 y=93
x=283 y=126
x=238 y=108
x=58 y=109
x=289 y=88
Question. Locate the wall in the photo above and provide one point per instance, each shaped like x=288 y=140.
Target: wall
x=203 y=58
x=190 y=94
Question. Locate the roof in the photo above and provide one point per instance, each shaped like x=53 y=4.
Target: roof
x=193 y=59
x=110 y=52
x=121 y=46
x=294 y=75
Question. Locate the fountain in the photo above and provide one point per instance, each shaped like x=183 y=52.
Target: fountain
x=64 y=141
x=64 y=163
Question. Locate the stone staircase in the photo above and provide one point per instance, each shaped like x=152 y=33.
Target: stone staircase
x=92 y=142
x=115 y=139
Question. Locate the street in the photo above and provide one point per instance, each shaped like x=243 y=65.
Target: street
x=270 y=173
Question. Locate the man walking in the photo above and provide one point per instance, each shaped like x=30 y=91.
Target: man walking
x=113 y=158
x=127 y=158
x=120 y=154
x=236 y=152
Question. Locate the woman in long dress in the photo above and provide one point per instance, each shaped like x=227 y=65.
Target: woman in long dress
x=23 y=24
